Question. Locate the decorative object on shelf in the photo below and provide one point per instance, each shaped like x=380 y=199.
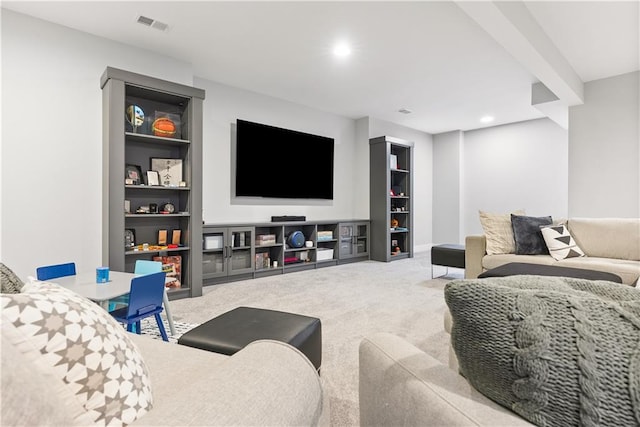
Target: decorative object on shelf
x=127 y=206
x=170 y=171
x=166 y=125
x=175 y=237
x=129 y=239
x=394 y=223
x=162 y=237
x=296 y=239
x=396 y=251
x=168 y=208
x=182 y=184
x=134 y=174
x=393 y=161
x=142 y=210
x=153 y=208
x=135 y=117
x=153 y=177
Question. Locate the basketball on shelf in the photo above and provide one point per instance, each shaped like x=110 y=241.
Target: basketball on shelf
x=164 y=126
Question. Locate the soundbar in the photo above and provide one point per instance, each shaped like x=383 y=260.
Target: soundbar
x=287 y=218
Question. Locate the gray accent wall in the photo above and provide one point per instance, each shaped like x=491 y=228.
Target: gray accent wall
x=604 y=149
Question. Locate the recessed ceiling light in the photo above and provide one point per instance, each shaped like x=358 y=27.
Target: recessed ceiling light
x=405 y=111
x=487 y=119
x=341 y=50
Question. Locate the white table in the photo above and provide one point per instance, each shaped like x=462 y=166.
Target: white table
x=85 y=284
x=119 y=284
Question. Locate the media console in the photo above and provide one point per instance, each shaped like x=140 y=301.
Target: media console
x=243 y=251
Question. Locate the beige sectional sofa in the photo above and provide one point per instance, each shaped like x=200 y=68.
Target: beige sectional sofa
x=610 y=244
x=401 y=385
x=65 y=362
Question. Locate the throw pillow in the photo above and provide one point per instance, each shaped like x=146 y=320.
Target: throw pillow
x=11 y=284
x=557 y=351
x=560 y=242
x=76 y=345
x=498 y=232
x=527 y=235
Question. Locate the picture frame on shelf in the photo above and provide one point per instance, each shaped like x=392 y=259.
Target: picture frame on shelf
x=133 y=174
x=170 y=171
x=153 y=178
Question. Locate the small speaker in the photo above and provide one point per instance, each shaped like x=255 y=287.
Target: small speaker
x=296 y=239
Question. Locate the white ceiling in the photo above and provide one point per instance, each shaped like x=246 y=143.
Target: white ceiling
x=429 y=57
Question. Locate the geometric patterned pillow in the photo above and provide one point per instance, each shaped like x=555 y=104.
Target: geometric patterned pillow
x=560 y=243
x=75 y=344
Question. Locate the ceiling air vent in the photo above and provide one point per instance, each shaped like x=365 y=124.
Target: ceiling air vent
x=150 y=22
x=405 y=111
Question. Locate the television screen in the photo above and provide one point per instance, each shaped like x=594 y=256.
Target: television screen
x=282 y=163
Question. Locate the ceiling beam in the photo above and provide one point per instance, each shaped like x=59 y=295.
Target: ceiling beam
x=512 y=25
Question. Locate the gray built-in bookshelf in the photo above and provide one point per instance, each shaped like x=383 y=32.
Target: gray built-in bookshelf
x=152 y=125
x=391 y=198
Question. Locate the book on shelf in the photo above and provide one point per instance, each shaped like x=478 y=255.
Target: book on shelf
x=172 y=266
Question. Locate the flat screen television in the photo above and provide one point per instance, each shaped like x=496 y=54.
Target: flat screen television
x=281 y=163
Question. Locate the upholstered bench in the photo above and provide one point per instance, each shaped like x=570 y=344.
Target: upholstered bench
x=521 y=268
x=235 y=329
x=448 y=255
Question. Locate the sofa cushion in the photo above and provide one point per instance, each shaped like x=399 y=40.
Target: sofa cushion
x=11 y=284
x=607 y=237
x=560 y=243
x=78 y=349
x=557 y=351
x=527 y=235
x=498 y=231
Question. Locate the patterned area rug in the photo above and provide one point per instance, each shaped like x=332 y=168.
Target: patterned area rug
x=150 y=327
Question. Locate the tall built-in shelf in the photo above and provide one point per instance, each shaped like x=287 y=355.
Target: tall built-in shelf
x=134 y=106
x=391 y=198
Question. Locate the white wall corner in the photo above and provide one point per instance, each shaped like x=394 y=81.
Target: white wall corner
x=513 y=26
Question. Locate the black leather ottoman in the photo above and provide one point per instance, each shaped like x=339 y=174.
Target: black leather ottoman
x=233 y=330
x=448 y=255
x=518 y=268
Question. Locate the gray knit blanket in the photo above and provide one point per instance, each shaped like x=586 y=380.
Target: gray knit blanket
x=557 y=351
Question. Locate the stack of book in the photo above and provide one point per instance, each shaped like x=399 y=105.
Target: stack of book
x=265 y=239
x=262 y=260
x=323 y=236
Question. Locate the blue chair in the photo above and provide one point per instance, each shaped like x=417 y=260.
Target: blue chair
x=145 y=300
x=143 y=267
x=54 y=271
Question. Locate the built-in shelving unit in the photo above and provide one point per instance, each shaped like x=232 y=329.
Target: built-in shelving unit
x=266 y=248
x=133 y=107
x=391 y=198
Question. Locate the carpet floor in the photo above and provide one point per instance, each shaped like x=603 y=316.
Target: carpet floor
x=352 y=301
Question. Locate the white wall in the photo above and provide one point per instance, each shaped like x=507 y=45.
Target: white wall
x=516 y=166
x=604 y=149
x=52 y=138
x=422 y=178
x=447 y=189
x=222 y=106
